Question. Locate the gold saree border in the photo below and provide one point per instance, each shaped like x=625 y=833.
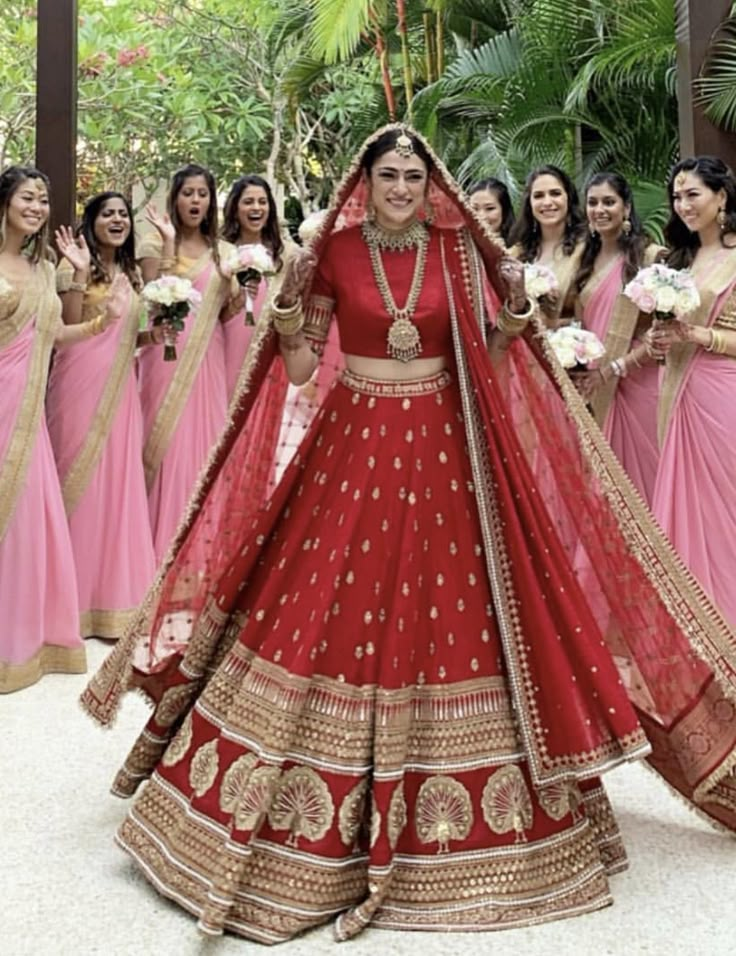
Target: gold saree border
x=110 y=624
x=679 y=361
x=619 y=335
x=19 y=451
x=49 y=659
x=74 y=483
x=187 y=365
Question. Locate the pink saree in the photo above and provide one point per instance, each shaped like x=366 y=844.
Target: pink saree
x=96 y=428
x=184 y=404
x=694 y=492
x=38 y=593
x=626 y=410
x=237 y=340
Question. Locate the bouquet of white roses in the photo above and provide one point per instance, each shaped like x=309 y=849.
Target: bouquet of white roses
x=664 y=291
x=575 y=347
x=169 y=300
x=539 y=280
x=250 y=263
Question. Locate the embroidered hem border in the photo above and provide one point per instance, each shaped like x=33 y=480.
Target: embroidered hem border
x=50 y=659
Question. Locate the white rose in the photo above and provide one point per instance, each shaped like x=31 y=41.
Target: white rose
x=666 y=298
x=687 y=301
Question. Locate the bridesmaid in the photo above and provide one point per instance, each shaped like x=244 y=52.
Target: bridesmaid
x=95 y=422
x=694 y=497
x=490 y=200
x=184 y=402
x=549 y=230
x=38 y=588
x=250 y=217
x=623 y=391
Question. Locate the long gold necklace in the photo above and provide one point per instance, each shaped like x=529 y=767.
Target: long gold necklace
x=403 y=341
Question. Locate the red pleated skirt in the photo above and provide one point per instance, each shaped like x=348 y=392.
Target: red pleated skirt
x=355 y=752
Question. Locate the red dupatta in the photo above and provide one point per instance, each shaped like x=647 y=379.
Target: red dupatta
x=557 y=512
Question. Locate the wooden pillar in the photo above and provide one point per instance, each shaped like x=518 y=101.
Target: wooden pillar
x=697 y=21
x=56 y=104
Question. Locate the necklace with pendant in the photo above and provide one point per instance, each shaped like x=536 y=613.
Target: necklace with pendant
x=403 y=340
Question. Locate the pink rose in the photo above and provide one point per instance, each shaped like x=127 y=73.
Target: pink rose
x=646 y=301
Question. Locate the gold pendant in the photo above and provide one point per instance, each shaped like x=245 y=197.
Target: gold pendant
x=404 y=342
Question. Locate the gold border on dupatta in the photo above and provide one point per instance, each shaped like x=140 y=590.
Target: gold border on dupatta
x=681 y=355
x=188 y=364
x=77 y=478
x=543 y=768
x=16 y=461
x=695 y=615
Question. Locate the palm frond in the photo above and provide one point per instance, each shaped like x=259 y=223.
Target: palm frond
x=337 y=27
x=715 y=89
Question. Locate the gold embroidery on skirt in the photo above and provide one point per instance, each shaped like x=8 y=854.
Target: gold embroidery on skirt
x=444 y=812
x=257 y=797
x=203 y=768
x=506 y=802
x=180 y=744
x=302 y=805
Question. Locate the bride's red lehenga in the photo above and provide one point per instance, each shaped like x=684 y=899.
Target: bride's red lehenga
x=385 y=686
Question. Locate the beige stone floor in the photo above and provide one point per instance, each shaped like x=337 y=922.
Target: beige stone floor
x=65 y=890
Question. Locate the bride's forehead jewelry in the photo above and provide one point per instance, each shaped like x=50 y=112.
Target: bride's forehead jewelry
x=404 y=146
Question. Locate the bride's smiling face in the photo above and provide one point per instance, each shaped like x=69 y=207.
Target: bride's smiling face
x=398 y=186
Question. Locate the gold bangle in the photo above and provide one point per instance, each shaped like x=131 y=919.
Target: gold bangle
x=77 y=287
x=95 y=326
x=513 y=323
x=719 y=343
x=288 y=321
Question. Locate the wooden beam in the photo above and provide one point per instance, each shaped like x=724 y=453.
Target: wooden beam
x=56 y=104
x=696 y=24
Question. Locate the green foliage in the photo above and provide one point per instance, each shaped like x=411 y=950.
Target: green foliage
x=716 y=89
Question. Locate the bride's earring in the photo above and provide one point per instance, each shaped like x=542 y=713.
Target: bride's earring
x=370 y=210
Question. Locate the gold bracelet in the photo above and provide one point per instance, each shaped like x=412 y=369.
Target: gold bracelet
x=77 y=287
x=513 y=323
x=288 y=321
x=719 y=343
x=95 y=326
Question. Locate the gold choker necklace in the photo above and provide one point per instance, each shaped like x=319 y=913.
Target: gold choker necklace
x=399 y=241
x=403 y=340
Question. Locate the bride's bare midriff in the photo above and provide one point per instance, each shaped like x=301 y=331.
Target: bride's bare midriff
x=391 y=370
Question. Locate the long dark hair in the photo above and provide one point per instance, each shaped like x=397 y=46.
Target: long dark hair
x=716 y=175
x=526 y=231
x=208 y=226
x=501 y=192
x=387 y=141
x=271 y=233
x=36 y=246
x=631 y=244
x=124 y=255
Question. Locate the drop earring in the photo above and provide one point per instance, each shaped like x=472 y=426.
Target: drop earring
x=721 y=218
x=626 y=227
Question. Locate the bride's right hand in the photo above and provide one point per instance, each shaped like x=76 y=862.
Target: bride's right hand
x=298 y=272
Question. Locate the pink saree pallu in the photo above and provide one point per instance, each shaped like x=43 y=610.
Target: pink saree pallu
x=96 y=428
x=626 y=409
x=184 y=405
x=694 y=494
x=38 y=591
x=237 y=339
